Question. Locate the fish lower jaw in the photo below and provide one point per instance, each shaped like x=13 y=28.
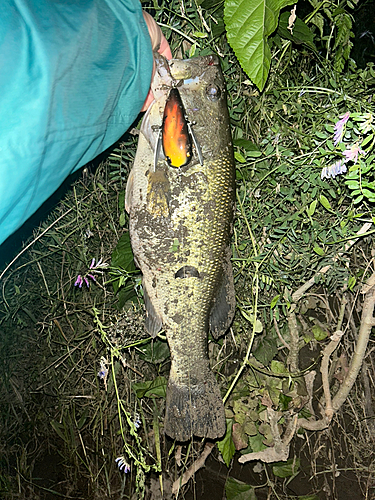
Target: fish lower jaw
x=194 y=410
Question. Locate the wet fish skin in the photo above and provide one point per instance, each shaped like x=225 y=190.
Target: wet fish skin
x=180 y=227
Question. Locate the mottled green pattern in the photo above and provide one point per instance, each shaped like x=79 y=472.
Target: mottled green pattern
x=183 y=217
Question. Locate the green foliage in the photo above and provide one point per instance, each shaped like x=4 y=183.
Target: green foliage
x=343 y=45
x=249 y=23
x=226 y=445
x=237 y=490
x=300 y=33
x=151 y=388
x=290 y=468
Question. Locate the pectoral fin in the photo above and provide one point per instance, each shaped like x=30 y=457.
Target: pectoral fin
x=153 y=321
x=223 y=310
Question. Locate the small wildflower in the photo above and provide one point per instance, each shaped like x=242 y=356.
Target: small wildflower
x=89 y=233
x=99 y=264
x=351 y=153
x=79 y=281
x=339 y=128
x=336 y=169
x=137 y=421
x=95 y=268
x=103 y=372
x=122 y=464
x=367 y=125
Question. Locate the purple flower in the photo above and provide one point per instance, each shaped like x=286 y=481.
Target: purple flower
x=99 y=264
x=92 y=277
x=339 y=128
x=102 y=373
x=336 y=169
x=79 y=281
x=351 y=153
x=122 y=464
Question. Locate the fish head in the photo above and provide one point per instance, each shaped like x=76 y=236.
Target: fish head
x=201 y=116
x=202 y=90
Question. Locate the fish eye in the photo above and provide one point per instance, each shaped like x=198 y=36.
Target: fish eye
x=213 y=93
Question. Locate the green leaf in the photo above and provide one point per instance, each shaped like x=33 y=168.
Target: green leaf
x=226 y=445
x=122 y=255
x=286 y=469
x=274 y=301
x=324 y=201
x=319 y=333
x=301 y=33
x=254 y=154
x=58 y=428
x=256 y=442
x=155 y=352
x=121 y=200
x=277 y=367
x=351 y=283
x=151 y=388
x=249 y=23
x=238 y=156
x=237 y=490
x=175 y=245
x=319 y=250
x=258 y=327
x=246 y=144
x=266 y=349
x=312 y=207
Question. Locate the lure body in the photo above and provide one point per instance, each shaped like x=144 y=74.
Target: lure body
x=175 y=132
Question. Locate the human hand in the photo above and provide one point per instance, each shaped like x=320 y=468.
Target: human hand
x=160 y=44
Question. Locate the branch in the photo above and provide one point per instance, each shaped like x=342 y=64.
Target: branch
x=280 y=450
x=198 y=464
x=300 y=292
x=367 y=322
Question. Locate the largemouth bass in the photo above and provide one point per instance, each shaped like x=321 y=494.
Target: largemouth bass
x=180 y=226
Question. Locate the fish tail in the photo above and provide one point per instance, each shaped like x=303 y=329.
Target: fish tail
x=194 y=409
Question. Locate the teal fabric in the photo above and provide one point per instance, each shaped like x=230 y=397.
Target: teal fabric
x=73 y=77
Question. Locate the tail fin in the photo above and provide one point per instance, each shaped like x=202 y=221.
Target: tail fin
x=194 y=410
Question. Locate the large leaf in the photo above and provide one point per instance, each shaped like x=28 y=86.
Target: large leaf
x=249 y=23
x=151 y=388
x=300 y=33
x=226 y=445
x=237 y=490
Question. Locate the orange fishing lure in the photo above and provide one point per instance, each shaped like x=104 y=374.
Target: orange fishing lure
x=175 y=132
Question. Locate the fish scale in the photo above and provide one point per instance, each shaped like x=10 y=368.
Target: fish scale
x=180 y=227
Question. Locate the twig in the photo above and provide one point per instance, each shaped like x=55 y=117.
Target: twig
x=367 y=322
x=39 y=236
x=324 y=368
x=294 y=343
x=279 y=334
x=198 y=464
x=301 y=291
x=280 y=450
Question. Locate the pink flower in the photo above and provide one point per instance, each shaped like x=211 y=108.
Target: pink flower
x=339 y=128
x=351 y=153
x=79 y=281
